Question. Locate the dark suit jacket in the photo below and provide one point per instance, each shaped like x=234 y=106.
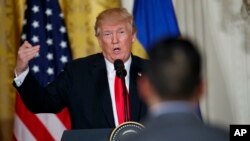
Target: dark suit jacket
x=83 y=88
x=180 y=127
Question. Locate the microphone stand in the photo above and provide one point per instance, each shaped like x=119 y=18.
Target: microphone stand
x=125 y=95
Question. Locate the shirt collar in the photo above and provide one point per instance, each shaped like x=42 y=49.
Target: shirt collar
x=171 y=107
x=111 y=69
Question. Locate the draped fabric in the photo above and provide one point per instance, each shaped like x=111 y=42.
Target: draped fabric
x=43 y=24
x=154 y=20
x=79 y=19
x=10 y=16
x=221 y=29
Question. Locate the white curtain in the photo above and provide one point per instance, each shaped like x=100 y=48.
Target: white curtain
x=222 y=32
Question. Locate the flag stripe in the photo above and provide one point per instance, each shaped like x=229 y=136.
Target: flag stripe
x=14 y=137
x=31 y=121
x=65 y=120
x=21 y=132
x=50 y=122
x=43 y=25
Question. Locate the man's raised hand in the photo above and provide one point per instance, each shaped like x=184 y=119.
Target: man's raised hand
x=25 y=53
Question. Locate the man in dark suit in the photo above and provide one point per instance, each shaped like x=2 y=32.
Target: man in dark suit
x=171 y=87
x=86 y=85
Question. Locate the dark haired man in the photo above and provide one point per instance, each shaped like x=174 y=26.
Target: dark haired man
x=171 y=87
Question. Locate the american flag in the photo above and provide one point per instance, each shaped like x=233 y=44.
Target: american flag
x=43 y=25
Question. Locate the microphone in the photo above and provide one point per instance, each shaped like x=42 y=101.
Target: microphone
x=129 y=128
x=121 y=73
x=119 y=67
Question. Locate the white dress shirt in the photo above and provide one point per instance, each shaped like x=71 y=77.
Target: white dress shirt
x=20 y=78
x=111 y=78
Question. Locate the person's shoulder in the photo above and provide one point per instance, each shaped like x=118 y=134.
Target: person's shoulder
x=138 y=63
x=86 y=60
x=208 y=132
x=82 y=64
x=194 y=131
x=218 y=132
x=139 y=60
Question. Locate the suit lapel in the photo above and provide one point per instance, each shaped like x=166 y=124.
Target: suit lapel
x=133 y=94
x=102 y=88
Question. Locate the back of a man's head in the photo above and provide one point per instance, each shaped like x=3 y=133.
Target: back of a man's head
x=174 y=68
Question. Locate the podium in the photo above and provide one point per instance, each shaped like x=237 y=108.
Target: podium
x=87 y=135
x=123 y=132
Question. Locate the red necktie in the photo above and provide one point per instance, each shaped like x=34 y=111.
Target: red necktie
x=119 y=100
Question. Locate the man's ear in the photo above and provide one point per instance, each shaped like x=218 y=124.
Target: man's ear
x=133 y=37
x=201 y=88
x=99 y=40
x=199 y=91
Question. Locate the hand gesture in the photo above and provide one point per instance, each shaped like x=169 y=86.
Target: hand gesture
x=25 y=53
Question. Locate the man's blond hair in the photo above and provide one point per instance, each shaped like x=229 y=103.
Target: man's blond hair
x=114 y=15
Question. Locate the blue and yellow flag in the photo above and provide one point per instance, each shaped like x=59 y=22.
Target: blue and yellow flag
x=154 y=19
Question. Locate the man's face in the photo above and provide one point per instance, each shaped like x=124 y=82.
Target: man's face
x=116 y=40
